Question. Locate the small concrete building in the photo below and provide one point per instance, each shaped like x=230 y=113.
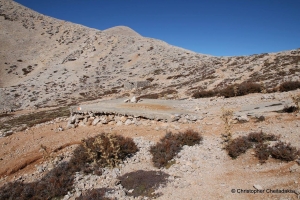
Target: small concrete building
x=136 y=84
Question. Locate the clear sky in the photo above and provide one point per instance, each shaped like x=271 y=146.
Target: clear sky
x=215 y=27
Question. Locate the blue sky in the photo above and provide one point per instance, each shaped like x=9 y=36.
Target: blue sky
x=215 y=27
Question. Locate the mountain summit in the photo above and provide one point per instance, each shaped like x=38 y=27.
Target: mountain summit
x=121 y=30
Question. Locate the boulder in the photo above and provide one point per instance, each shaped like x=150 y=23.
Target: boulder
x=191 y=117
x=128 y=122
x=133 y=100
x=175 y=117
x=243 y=118
x=119 y=123
x=123 y=119
x=69 y=125
x=110 y=118
x=72 y=119
x=91 y=114
x=7 y=133
x=111 y=123
x=103 y=120
x=96 y=121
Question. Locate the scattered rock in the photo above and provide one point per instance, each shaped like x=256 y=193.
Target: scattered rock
x=133 y=100
x=294 y=168
x=96 y=121
x=123 y=119
x=242 y=118
x=258 y=187
x=128 y=122
x=7 y=133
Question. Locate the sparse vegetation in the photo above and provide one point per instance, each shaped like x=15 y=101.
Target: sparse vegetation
x=104 y=150
x=94 y=194
x=238 y=146
x=231 y=90
x=143 y=182
x=89 y=157
x=159 y=95
x=296 y=101
x=36 y=118
x=281 y=150
x=56 y=183
x=289 y=85
x=226 y=117
x=284 y=151
x=171 y=144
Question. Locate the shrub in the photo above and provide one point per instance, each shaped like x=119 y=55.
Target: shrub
x=104 y=150
x=189 y=137
x=259 y=137
x=284 y=151
x=94 y=194
x=226 y=117
x=296 y=101
x=93 y=153
x=203 y=94
x=143 y=182
x=171 y=144
x=241 y=144
x=163 y=152
x=249 y=87
x=231 y=90
x=238 y=146
x=56 y=183
x=289 y=109
x=289 y=85
x=262 y=152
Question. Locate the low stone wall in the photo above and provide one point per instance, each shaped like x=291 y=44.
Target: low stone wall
x=136 y=85
x=92 y=119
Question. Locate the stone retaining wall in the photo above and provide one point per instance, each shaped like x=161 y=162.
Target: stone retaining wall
x=136 y=85
x=90 y=118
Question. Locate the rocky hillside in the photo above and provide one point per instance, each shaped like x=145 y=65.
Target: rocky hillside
x=47 y=62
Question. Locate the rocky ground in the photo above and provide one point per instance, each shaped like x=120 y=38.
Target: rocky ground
x=47 y=63
x=201 y=171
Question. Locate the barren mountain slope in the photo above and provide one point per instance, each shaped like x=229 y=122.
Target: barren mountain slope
x=46 y=62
